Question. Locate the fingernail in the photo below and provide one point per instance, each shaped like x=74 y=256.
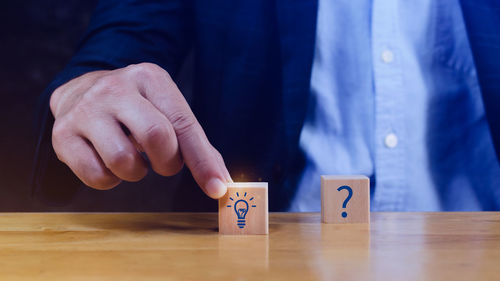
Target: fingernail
x=215 y=188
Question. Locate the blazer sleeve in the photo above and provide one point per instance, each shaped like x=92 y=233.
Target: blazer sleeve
x=121 y=32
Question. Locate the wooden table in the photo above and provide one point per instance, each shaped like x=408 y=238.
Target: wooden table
x=186 y=246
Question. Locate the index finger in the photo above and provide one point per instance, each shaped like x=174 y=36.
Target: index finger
x=199 y=155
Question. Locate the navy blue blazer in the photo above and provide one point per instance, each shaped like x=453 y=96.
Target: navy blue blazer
x=251 y=79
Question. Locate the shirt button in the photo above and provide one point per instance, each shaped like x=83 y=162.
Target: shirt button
x=391 y=140
x=387 y=56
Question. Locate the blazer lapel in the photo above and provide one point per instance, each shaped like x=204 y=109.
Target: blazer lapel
x=297 y=31
x=296 y=21
x=482 y=20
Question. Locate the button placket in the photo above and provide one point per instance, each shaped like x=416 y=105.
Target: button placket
x=389 y=115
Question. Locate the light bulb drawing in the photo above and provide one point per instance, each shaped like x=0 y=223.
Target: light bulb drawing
x=241 y=207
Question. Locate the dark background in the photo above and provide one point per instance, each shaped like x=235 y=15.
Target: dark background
x=38 y=37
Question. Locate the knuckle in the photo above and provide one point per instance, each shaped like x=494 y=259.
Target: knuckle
x=148 y=72
x=54 y=98
x=148 y=66
x=145 y=70
x=122 y=160
x=108 y=84
x=85 y=109
x=183 y=123
x=96 y=99
x=94 y=174
x=60 y=131
x=160 y=136
x=154 y=133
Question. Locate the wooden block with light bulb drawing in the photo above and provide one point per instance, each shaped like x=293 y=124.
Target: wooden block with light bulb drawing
x=345 y=199
x=244 y=209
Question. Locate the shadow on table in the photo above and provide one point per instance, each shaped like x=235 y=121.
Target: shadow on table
x=185 y=223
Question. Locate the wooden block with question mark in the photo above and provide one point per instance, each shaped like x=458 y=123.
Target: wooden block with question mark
x=243 y=210
x=345 y=199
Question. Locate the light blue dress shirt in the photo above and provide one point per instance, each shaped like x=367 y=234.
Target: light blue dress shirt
x=395 y=97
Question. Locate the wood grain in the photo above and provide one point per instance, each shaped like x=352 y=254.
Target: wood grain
x=254 y=200
x=357 y=207
x=187 y=246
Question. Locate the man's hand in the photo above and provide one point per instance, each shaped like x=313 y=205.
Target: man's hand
x=90 y=112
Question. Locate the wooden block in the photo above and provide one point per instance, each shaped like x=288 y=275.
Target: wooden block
x=345 y=199
x=244 y=209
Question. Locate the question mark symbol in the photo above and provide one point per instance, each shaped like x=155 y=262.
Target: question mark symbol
x=344 y=214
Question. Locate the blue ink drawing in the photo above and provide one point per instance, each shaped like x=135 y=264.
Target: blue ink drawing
x=349 y=189
x=241 y=209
